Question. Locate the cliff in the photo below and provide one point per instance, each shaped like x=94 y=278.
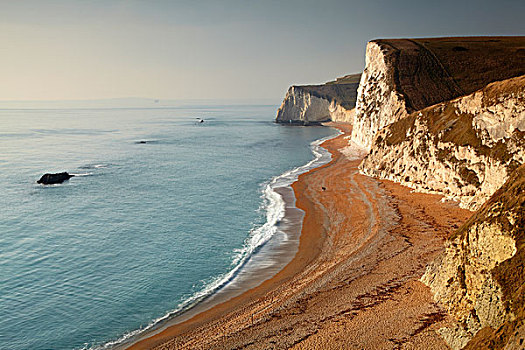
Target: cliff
x=405 y=75
x=312 y=104
x=447 y=116
x=480 y=279
x=464 y=149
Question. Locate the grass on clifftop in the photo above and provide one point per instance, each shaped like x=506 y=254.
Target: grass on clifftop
x=342 y=90
x=347 y=79
x=433 y=70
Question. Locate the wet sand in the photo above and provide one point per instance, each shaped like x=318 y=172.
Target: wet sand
x=353 y=283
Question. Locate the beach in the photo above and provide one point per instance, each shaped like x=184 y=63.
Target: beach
x=354 y=281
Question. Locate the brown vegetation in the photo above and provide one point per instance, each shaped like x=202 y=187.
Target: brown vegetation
x=429 y=71
x=342 y=90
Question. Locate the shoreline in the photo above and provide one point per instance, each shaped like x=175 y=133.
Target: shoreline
x=354 y=281
x=269 y=260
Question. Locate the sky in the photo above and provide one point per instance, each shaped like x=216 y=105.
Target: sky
x=96 y=49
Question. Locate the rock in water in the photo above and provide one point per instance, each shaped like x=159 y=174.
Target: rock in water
x=49 y=179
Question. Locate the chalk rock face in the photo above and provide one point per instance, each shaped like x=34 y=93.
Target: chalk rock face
x=312 y=104
x=478 y=279
x=299 y=106
x=378 y=103
x=340 y=114
x=402 y=76
x=464 y=149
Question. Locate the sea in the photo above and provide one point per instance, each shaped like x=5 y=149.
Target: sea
x=164 y=213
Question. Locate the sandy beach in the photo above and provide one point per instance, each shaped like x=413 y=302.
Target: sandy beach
x=354 y=282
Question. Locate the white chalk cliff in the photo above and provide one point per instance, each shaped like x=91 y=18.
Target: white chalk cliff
x=312 y=104
x=464 y=149
x=463 y=137
x=378 y=102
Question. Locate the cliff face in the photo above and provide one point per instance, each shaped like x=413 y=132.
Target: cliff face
x=301 y=107
x=480 y=278
x=464 y=149
x=405 y=75
x=447 y=116
x=311 y=104
x=378 y=102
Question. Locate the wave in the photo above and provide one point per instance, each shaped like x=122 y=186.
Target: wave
x=81 y=174
x=274 y=206
x=94 y=166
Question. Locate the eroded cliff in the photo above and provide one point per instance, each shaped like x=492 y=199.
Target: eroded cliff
x=405 y=75
x=464 y=149
x=312 y=104
x=447 y=116
x=378 y=101
x=480 y=279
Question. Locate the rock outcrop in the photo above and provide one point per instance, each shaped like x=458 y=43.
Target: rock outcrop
x=405 y=75
x=51 y=179
x=480 y=279
x=464 y=149
x=313 y=104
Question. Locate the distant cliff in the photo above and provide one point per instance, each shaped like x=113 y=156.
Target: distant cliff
x=312 y=104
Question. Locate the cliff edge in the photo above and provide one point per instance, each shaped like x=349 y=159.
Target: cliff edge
x=313 y=104
x=405 y=75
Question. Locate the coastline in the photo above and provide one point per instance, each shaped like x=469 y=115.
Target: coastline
x=363 y=246
x=271 y=257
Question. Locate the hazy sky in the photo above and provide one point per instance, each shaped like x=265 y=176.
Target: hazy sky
x=213 y=49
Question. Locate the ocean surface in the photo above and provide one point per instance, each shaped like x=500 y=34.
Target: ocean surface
x=144 y=230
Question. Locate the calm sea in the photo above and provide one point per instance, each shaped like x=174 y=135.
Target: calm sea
x=144 y=229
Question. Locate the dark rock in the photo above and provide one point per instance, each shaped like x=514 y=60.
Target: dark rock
x=49 y=179
x=141 y=142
